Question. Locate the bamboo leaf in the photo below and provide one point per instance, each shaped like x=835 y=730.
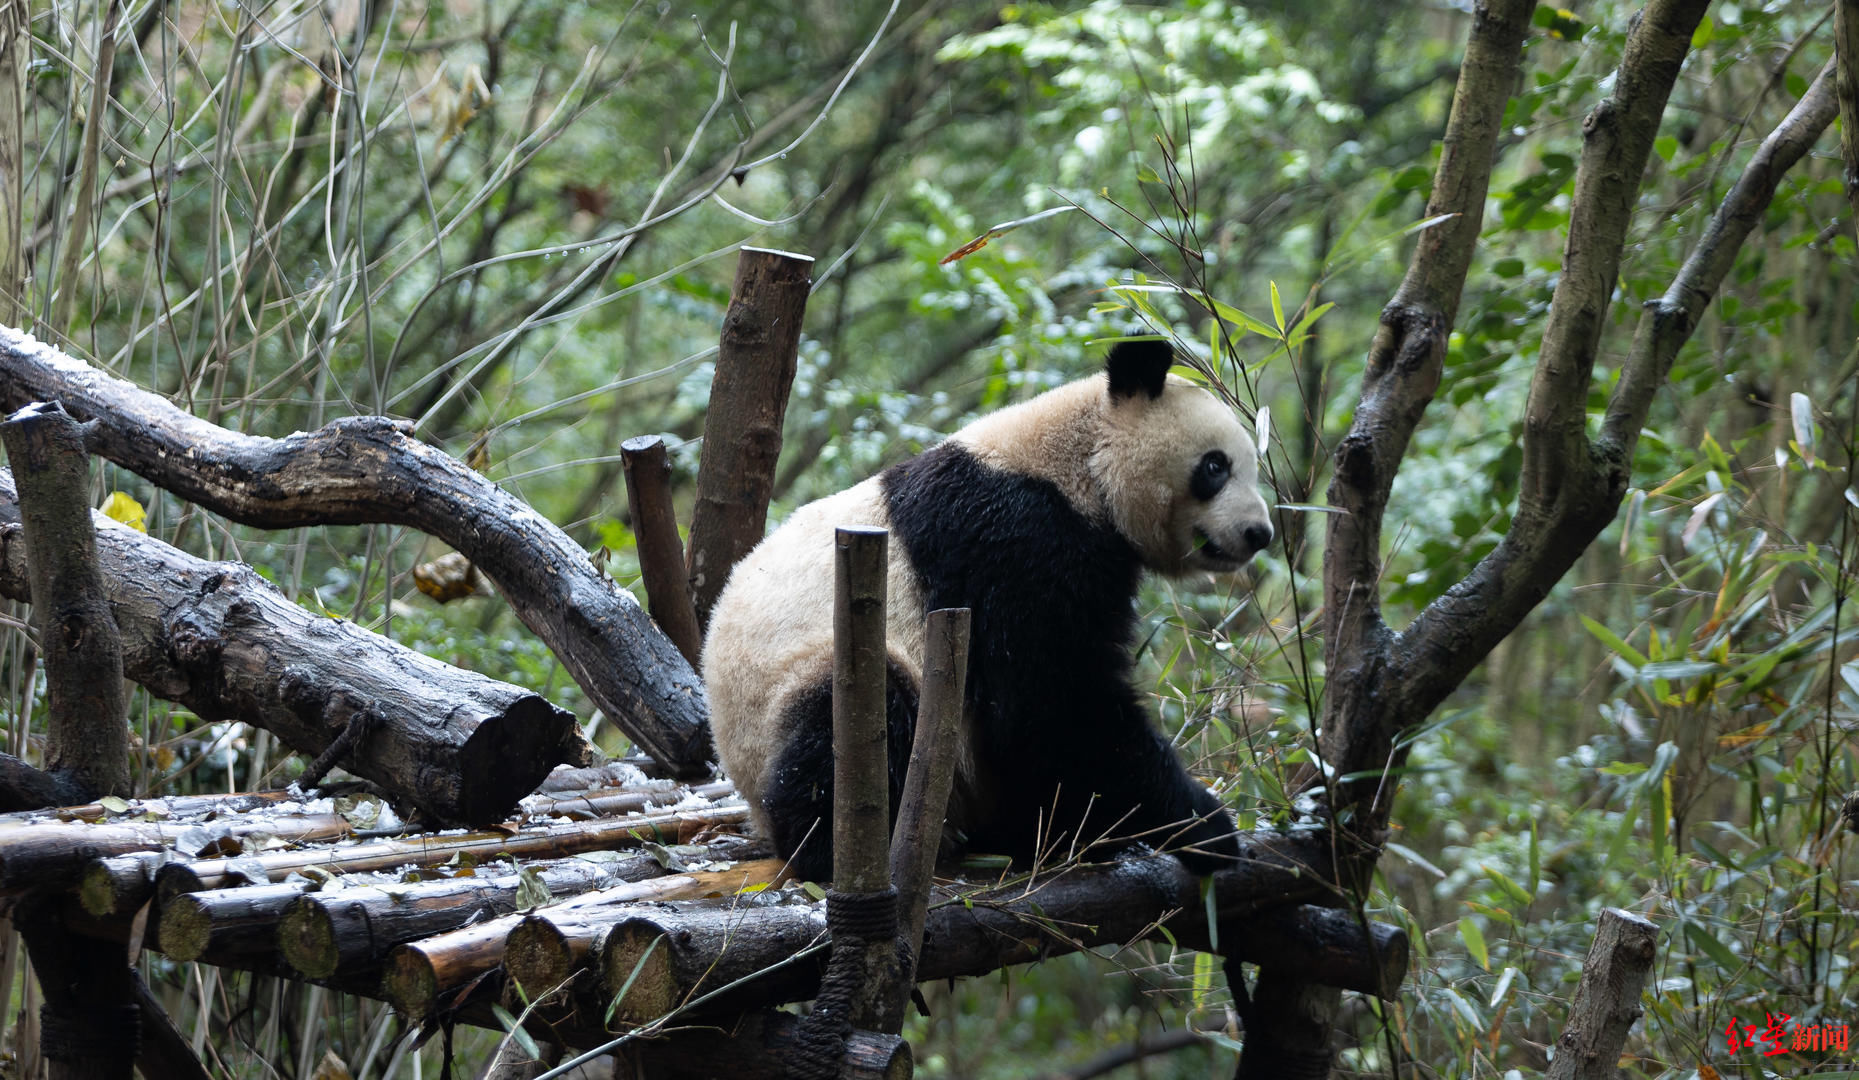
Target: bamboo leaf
x=1474 y=939
x=1278 y=310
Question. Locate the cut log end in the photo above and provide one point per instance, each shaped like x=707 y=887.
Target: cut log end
x=636 y=950
x=185 y=928
x=307 y=939
x=506 y=758
x=410 y=984
x=537 y=957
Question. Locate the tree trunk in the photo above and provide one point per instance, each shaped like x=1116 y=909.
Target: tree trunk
x=1607 y=1001
x=78 y=639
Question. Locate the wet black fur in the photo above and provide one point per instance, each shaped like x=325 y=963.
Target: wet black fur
x=1056 y=720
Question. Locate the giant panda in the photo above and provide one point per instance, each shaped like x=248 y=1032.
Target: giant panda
x=1040 y=518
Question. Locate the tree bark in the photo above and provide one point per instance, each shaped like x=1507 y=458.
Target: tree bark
x=221 y=640
x=755 y=366
x=655 y=536
x=15 y=58
x=78 y=639
x=1846 y=59
x=90 y=1023
x=370 y=470
x=1607 y=1001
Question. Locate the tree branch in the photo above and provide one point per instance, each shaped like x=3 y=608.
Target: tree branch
x=1617 y=140
x=1456 y=631
x=363 y=470
x=1403 y=370
x=1846 y=55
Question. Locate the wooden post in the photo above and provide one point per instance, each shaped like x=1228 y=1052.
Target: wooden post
x=90 y=1024
x=83 y=651
x=655 y=537
x=917 y=838
x=748 y=402
x=861 y=774
x=1607 y=1001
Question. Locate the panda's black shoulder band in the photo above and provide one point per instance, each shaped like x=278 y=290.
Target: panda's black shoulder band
x=1139 y=365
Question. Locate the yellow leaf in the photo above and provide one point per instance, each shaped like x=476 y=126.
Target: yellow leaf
x=124 y=508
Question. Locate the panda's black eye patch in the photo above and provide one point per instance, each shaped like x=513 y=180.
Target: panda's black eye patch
x=1210 y=475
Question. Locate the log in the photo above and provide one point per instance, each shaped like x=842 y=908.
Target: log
x=55 y=854
x=655 y=537
x=419 y=973
x=90 y=1024
x=1289 y=1023
x=237 y=925
x=755 y=365
x=626 y=800
x=351 y=929
x=760 y=1046
x=550 y=841
x=916 y=839
x=78 y=639
x=1079 y=908
x=227 y=644
x=372 y=470
x=548 y=947
x=1607 y=1000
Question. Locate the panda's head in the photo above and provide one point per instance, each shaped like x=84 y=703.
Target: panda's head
x=1176 y=469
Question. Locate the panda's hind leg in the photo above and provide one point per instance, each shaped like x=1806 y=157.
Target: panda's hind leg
x=798 y=795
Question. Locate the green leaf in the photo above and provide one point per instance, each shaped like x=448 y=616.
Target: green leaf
x=517 y=1035
x=1503 y=987
x=1703 y=34
x=1511 y=889
x=1665 y=146
x=1660 y=812
x=1278 y=309
x=1801 y=411
x=1474 y=939
x=1615 y=642
x=1679 y=669
x=1711 y=947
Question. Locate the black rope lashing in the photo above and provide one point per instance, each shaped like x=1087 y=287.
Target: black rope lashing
x=855 y=921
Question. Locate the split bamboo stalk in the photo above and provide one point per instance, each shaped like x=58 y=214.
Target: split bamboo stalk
x=549 y=841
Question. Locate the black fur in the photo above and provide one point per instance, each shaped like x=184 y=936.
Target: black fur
x=1139 y=366
x=1061 y=734
x=800 y=789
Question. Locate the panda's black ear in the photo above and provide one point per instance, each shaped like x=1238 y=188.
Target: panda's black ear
x=1139 y=366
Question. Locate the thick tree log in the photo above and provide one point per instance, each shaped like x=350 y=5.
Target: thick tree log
x=1289 y=1026
x=419 y=973
x=229 y=924
x=226 y=643
x=367 y=470
x=742 y=429
x=680 y=953
x=760 y=1046
x=1607 y=1001
x=55 y=854
x=353 y=928
x=550 y=841
x=78 y=639
x=23 y=787
x=655 y=537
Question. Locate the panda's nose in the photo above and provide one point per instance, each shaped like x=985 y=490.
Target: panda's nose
x=1258 y=536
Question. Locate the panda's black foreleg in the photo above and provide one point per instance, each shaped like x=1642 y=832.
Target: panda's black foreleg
x=1142 y=792
x=799 y=794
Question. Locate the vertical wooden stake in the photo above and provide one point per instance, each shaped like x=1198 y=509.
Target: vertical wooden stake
x=748 y=401
x=655 y=534
x=917 y=836
x=1607 y=1001
x=82 y=649
x=861 y=774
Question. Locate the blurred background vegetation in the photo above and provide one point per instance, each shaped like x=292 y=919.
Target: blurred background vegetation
x=514 y=224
